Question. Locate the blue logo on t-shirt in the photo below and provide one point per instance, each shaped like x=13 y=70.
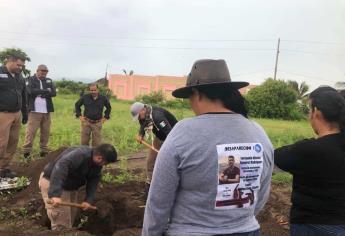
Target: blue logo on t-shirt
x=257 y=147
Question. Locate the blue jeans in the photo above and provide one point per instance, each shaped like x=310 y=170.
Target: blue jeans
x=316 y=230
x=253 y=233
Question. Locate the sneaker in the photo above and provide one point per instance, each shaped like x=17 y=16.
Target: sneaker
x=27 y=155
x=7 y=173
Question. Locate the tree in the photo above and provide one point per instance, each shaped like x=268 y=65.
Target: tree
x=340 y=85
x=301 y=89
x=16 y=52
x=273 y=99
x=302 y=96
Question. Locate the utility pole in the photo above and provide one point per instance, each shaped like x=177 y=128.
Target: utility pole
x=275 y=68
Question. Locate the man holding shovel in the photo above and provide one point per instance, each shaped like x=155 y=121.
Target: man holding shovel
x=158 y=121
x=60 y=180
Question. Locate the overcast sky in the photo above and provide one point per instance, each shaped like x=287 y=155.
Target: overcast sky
x=164 y=37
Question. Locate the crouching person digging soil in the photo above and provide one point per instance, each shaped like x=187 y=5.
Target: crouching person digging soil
x=60 y=180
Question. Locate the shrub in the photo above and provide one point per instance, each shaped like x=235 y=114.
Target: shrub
x=153 y=98
x=273 y=99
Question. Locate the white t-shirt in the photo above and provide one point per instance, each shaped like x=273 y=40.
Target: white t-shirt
x=40 y=103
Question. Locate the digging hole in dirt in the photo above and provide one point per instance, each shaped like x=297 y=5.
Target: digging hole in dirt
x=120 y=211
x=119 y=208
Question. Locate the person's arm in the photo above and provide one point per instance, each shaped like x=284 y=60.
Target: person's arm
x=142 y=128
x=78 y=104
x=69 y=162
x=91 y=186
x=291 y=158
x=162 y=192
x=107 y=108
x=51 y=90
x=24 y=108
x=34 y=91
x=235 y=180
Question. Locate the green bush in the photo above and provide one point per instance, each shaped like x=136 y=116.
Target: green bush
x=73 y=87
x=177 y=103
x=153 y=98
x=274 y=99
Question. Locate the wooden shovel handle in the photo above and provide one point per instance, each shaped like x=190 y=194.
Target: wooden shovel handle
x=71 y=204
x=145 y=144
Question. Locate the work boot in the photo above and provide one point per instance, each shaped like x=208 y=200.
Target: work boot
x=26 y=155
x=7 y=173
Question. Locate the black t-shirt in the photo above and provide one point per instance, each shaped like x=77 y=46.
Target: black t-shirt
x=318 y=169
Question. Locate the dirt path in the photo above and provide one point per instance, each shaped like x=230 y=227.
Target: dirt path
x=120 y=209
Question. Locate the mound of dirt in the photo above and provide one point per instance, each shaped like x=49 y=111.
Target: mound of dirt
x=120 y=209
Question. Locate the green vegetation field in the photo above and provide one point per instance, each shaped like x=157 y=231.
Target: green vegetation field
x=121 y=130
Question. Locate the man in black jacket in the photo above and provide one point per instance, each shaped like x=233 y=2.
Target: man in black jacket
x=92 y=120
x=160 y=122
x=13 y=110
x=40 y=90
x=61 y=179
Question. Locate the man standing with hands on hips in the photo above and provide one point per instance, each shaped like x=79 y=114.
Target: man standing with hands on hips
x=13 y=110
x=92 y=120
x=40 y=91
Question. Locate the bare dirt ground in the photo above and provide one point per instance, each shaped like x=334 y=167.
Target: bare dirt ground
x=120 y=210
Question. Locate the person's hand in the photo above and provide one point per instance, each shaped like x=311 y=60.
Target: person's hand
x=55 y=201
x=24 y=119
x=82 y=118
x=85 y=206
x=139 y=138
x=104 y=120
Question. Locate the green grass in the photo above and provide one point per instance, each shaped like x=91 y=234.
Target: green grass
x=285 y=132
x=120 y=130
x=282 y=177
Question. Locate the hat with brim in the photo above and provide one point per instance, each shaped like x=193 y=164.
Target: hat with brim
x=210 y=74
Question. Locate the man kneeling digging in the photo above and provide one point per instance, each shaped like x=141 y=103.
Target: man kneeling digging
x=60 y=180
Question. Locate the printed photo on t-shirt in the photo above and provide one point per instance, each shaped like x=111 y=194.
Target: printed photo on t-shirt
x=239 y=170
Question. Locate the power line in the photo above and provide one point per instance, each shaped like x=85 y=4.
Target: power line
x=250 y=73
x=143 y=39
x=313 y=42
x=308 y=76
x=145 y=47
x=312 y=52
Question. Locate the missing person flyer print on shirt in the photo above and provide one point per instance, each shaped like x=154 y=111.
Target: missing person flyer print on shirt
x=239 y=171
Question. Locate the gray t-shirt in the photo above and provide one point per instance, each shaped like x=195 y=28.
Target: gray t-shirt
x=185 y=184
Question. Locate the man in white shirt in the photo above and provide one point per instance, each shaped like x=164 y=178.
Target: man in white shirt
x=40 y=90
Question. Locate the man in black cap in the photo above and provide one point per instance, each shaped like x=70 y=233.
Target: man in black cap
x=13 y=110
x=61 y=179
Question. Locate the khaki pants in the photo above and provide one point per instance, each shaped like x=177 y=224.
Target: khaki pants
x=10 y=123
x=62 y=216
x=151 y=159
x=91 y=129
x=41 y=121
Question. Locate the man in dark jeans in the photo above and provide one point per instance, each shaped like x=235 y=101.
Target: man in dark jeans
x=13 y=110
x=92 y=120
